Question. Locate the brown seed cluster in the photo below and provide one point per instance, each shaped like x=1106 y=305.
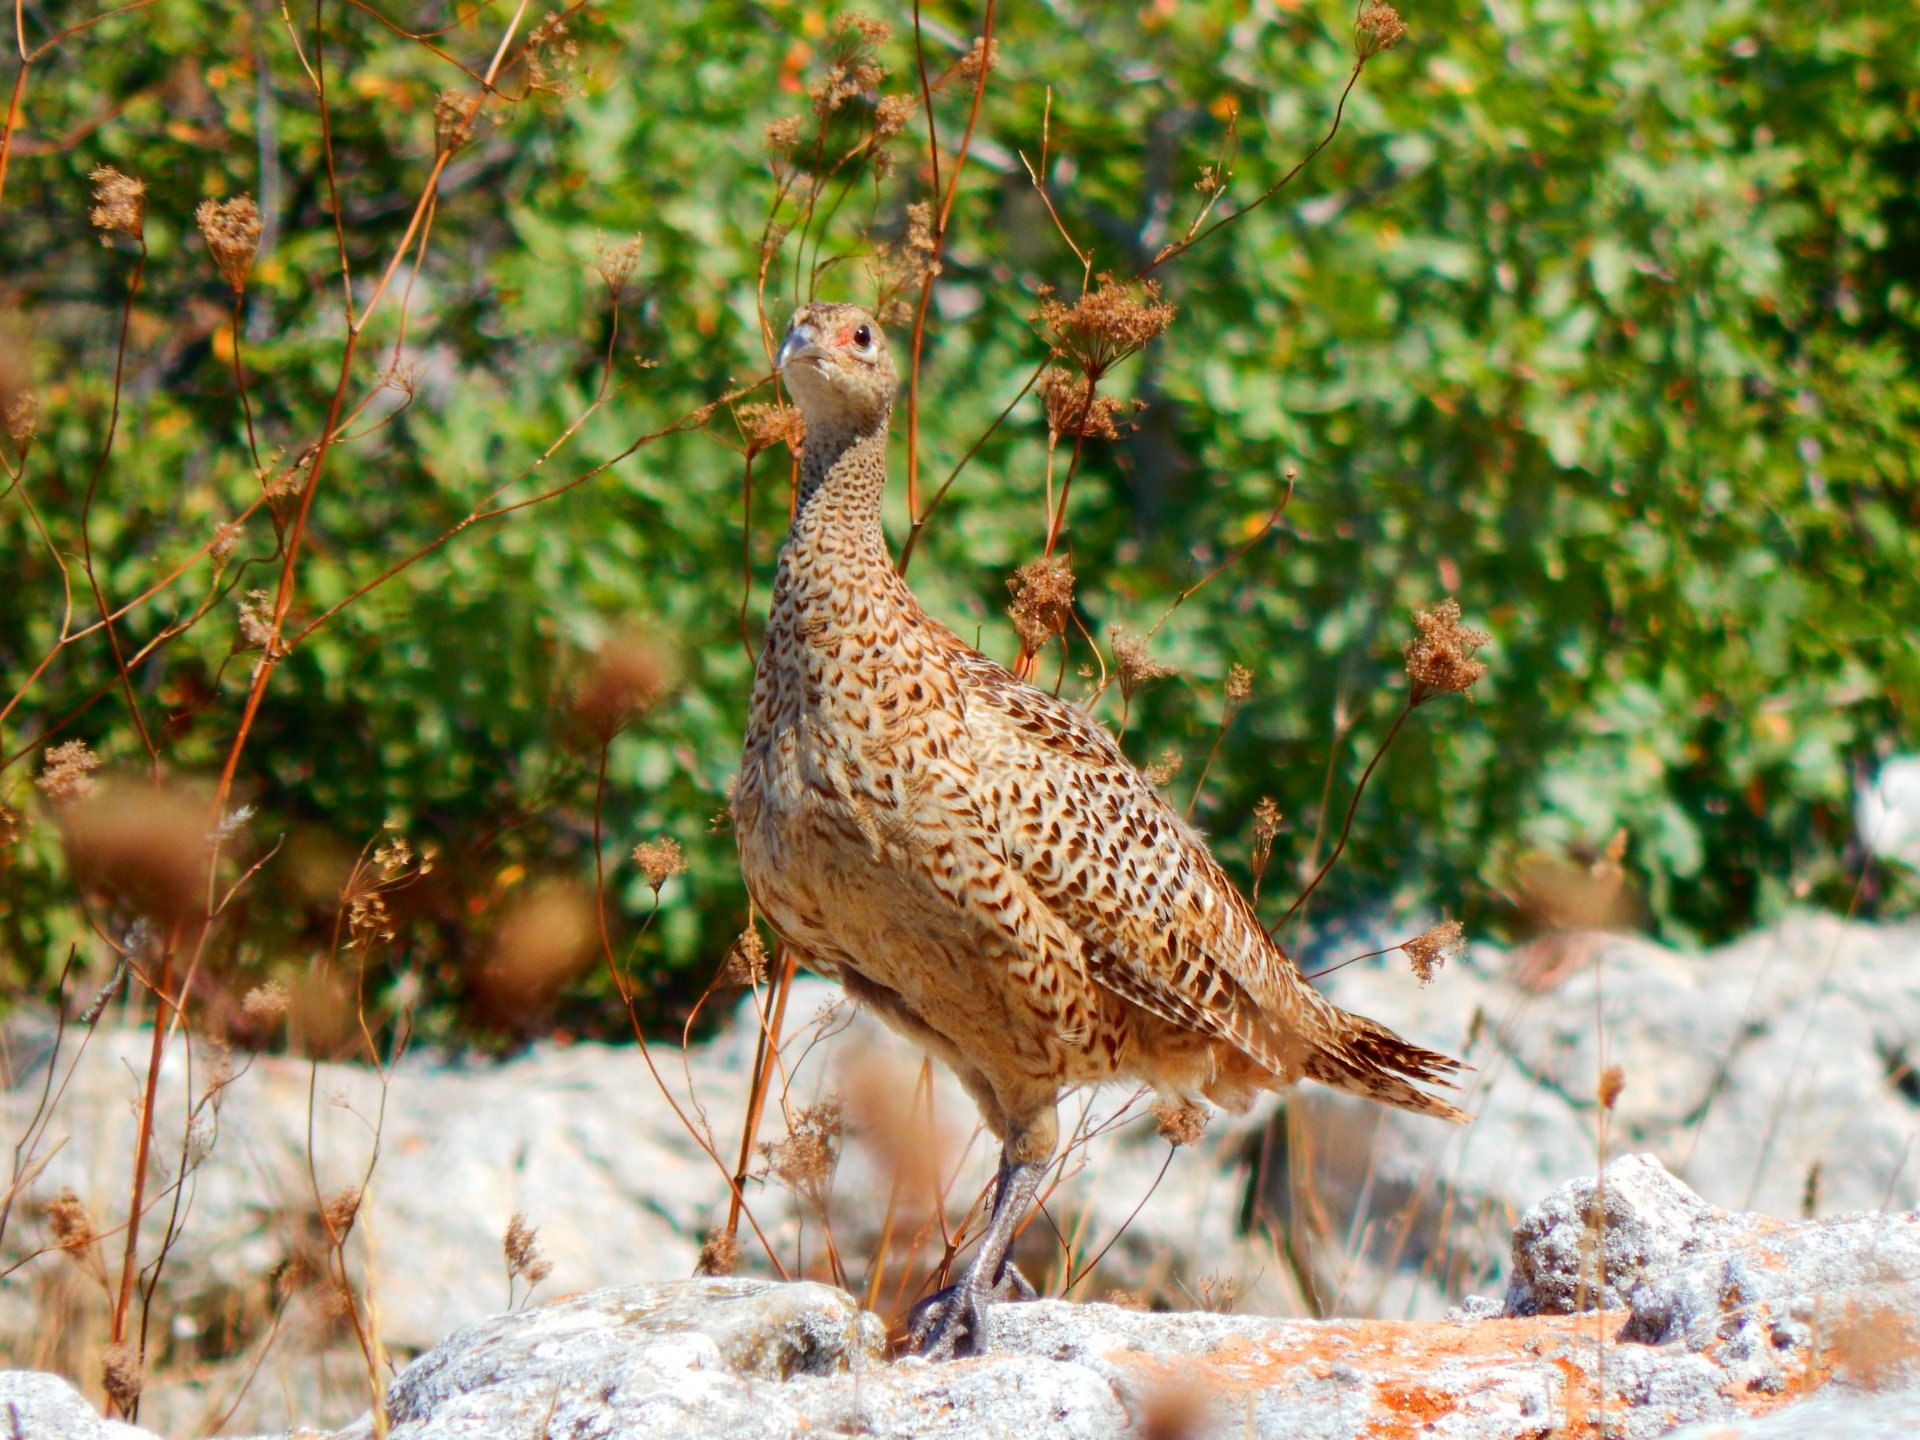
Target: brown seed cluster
x=1440 y=655
x=1074 y=407
x=1431 y=949
x=453 y=116
x=1133 y=664
x=120 y=1376
x=264 y=1005
x=982 y=55
x=1379 y=28
x=1042 y=600
x=805 y=1159
x=21 y=417
x=256 y=620
x=1612 y=1081
x=1105 y=325
x=339 y=1211
x=1180 y=1122
x=719 y=1254
x=71 y=1224
x=231 y=229
x=615 y=263
x=624 y=681
x=521 y=1247
x=66 y=774
x=746 y=962
x=660 y=860
x=552 y=56
x=853 y=70
x=765 y=426
x=1164 y=768
x=119 y=204
x=783 y=134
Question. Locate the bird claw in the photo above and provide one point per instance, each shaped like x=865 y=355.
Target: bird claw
x=953 y=1322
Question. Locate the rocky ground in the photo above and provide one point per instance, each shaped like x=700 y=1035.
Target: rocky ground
x=1636 y=1308
x=1772 y=1076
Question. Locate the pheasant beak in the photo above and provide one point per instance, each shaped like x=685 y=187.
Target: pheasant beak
x=798 y=342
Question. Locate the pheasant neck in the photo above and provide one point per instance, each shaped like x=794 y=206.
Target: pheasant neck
x=843 y=471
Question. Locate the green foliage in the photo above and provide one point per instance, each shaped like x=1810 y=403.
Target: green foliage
x=1599 y=316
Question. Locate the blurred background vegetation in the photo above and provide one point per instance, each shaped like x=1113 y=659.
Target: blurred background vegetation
x=1602 y=317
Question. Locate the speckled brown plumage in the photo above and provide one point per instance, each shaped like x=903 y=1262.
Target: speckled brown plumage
x=977 y=861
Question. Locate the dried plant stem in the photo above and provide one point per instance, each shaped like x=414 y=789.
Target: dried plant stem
x=1346 y=826
x=764 y=1055
x=142 y=1147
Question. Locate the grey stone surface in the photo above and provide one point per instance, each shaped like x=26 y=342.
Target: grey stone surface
x=37 y=1406
x=1830 y=1415
x=1767 y=1074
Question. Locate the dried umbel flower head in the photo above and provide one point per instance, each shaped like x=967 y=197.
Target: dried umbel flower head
x=1105 y=325
x=119 y=204
x=1180 y=1122
x=1612 y=1081
x=544 y=939
x=660 y=860
x=232 y=232
x=453 y=115
x=1042 y=600
x=21 y=417
x=256 y=623
x=1378 y=28
x=120 y=1376
x=1239 y=687
x=1432 y=948
x=1164 y=768
x=521 y=1247
x=765 y=426
x=1440 y=655
x=746 y=962
x=719 y=1254
x=338 y=1212
x=1074 y=407
x=615 y=263
x=146 y=848
x=805 y=1159
x=983 y=55
x=624 y=680
x=891 y=115
x=66 y=773
x=265 y=1005
x=783 y=134
x=1133 y=664
x=72 y=1227
x=905 y=267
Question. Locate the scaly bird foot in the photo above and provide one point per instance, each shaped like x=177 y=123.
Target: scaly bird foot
x=953 y=1322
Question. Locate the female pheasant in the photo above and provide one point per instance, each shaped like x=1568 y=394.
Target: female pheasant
x=975 y=859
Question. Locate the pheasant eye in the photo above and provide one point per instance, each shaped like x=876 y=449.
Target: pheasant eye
x=863 y=337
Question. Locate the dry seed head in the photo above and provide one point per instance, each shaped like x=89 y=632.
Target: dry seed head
x=1042 y=599
x=266 y=1004
x=369 y=922
x=1612 y=1081
x=66 y=773
x=1073 y=407
x=660 y=860
x=521 y=1246
x=870 y=30
x=1105 y=325
x=22 y=418
x=891 y=115
x=1133 y=664
x=1239 y=685
x=1440 y=655
x=339 y=1211
x=232 y=232
x=982 y=54
x=1165 y=768
x=625 y=681
x=746 y=962
x=1431 y=949
x=1379 y=28
x=119 y=204
x=768 y=425
x=615 y=263
x=719 y=1254
x=543 y=941
x=453 y=116
x=120 y=1376
x=783 y=134
x=1180 y=1122
x=72 y=1224
x=256 y=621
x=146 y=848
x=225 y=541
x=805 y=1159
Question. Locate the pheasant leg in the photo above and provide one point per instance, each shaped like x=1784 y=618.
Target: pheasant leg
x=953 y=1322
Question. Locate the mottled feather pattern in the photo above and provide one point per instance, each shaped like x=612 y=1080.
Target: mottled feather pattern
x=976 y=859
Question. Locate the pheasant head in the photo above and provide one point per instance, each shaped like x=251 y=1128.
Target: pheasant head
x=835 y=361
